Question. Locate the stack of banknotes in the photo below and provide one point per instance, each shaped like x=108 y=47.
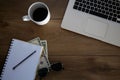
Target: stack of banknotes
x=44 y=61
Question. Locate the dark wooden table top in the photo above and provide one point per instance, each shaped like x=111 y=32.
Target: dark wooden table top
x=84 y=58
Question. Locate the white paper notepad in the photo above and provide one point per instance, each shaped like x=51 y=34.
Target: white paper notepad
x=18 y=51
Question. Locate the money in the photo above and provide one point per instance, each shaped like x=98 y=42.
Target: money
x=44 y=62
x=35 y=41
x=44 y=44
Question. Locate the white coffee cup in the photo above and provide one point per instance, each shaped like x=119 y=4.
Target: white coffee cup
x=39 y=13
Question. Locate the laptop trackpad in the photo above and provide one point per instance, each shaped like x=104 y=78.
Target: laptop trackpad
x=96 y=28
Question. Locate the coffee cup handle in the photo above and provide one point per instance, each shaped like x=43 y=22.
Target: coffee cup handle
x=26 y=18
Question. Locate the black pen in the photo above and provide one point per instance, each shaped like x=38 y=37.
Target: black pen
x=23 y=60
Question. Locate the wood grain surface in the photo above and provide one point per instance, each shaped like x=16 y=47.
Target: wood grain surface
x=84 y=58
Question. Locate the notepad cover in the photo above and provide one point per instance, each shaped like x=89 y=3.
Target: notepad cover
x=17 y=52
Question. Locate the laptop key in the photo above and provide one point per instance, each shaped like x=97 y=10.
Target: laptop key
x=119 y=16
x=79 y=8
x=98 y=14
x=76 y=3
x=86 y=10
x=114 y=19
x=109 y=18
x=83 y=9
x=75 y=7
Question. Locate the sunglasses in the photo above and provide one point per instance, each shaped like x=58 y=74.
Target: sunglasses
x=54 y=67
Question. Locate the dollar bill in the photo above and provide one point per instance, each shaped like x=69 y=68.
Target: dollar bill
x=35 y=41
x=44 y=62
x=44 y=44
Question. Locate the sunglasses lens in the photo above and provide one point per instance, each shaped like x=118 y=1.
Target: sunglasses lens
x=43 y=72
x=57 y=67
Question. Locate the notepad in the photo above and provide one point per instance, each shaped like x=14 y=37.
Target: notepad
x=25 y=57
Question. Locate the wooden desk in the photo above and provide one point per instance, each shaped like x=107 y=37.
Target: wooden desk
x=83 y=58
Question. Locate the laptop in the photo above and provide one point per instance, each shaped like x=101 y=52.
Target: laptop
x=99 y=19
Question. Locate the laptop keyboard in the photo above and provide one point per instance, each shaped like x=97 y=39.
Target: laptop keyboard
x=107 y=9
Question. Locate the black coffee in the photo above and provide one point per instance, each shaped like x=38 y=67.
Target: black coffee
x=40 y=14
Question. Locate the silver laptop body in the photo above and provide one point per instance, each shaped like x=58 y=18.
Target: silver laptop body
x=91 y=25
